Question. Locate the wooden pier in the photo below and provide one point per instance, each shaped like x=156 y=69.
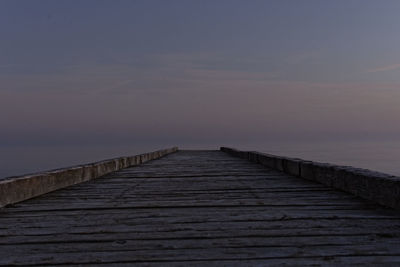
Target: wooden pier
x=198 y=208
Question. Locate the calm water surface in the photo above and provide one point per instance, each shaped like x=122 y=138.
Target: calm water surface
x=378 y=156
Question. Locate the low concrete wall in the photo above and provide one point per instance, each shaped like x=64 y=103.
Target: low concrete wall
x=16 y=189
x=378 y=187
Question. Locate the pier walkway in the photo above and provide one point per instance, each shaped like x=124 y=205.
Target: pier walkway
x=198 y=208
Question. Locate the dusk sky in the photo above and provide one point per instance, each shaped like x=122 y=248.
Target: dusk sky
x=198 y=72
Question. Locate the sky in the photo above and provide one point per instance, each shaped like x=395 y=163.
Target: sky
x=198 y=72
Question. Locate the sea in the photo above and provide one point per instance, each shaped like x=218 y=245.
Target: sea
x=382 y=156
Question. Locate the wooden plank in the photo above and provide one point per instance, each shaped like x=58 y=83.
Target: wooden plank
x=172 y=254
x=196 y=208
x=214 y=230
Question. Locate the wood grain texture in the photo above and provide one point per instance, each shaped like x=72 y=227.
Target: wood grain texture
x=198 y=208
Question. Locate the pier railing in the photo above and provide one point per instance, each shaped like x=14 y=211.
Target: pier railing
x=16 y=189
x=375 y=186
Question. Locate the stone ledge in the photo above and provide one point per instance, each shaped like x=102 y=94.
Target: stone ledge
x=16 y=189
x=375 y=186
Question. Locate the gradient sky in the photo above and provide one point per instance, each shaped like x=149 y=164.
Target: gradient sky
x=198 y=72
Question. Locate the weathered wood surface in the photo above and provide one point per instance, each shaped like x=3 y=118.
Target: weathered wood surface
x=197 y=208
x=378 y=187
x=19 y=188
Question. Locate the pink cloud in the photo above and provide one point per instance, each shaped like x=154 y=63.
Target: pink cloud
x=385 y=68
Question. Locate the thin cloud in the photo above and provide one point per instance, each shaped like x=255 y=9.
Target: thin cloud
x=303 y=57
x=120 y=84
x=9 y=65
x=385 y=68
